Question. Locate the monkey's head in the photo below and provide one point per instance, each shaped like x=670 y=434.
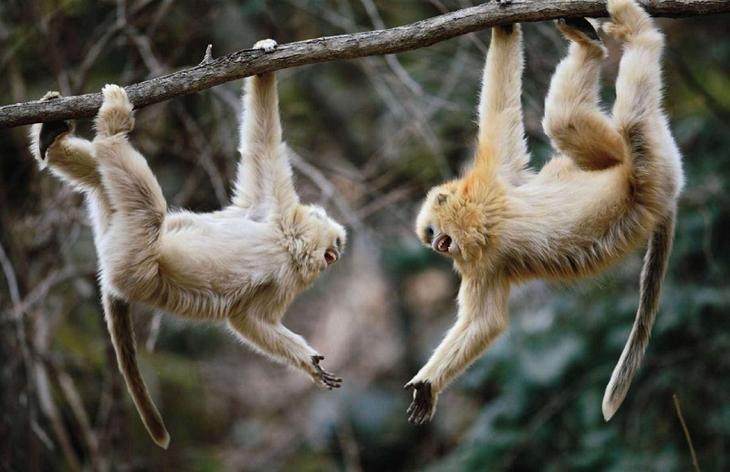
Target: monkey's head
x=460 y=219
x=320 y=239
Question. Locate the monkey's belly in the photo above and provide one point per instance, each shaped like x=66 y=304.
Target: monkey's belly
x=582 y=222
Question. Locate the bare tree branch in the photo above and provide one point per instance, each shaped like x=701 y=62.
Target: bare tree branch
x=424 y=33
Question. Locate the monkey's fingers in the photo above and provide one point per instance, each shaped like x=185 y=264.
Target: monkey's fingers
x=324 y=378
x=419 y=414
x=420 y=410
x=331 y=380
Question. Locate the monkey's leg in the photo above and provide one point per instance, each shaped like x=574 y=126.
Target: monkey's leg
x=573 y=120
x=130 y=255
x=639 y=83
x=69 y=157
x=501 y=139
x=482 y=317
x=637 y=113
x=281 y=344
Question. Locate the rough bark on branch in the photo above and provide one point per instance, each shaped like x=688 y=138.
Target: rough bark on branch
x=424 y=33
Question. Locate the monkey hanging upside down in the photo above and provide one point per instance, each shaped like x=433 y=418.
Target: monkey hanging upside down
x=243 y=264
x=612 y=185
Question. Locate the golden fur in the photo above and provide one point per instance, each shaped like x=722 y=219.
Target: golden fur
x=243 y=264
x=612 y=185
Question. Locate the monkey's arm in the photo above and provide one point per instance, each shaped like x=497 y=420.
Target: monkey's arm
x=264 y=180
x=501 y=141
x=482 y=317
x=281 y=344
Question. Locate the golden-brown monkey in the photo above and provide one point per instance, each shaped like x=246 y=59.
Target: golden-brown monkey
x=612 y=185
x=243 y=264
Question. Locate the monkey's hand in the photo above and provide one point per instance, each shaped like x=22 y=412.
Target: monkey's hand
x=424 y=401
x=323 y=378
x=267 y=45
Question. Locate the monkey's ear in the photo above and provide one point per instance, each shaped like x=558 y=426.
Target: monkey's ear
x=441 y=198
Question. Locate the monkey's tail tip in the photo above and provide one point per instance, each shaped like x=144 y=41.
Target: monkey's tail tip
x=612 y=400
x=115 y=115
x=609 y=409
x=163 y=441
x=155 y=426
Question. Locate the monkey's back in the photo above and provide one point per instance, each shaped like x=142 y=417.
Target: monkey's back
x=567 y=222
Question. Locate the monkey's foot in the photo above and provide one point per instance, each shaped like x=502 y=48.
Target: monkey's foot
x=115 y=115
x=580 y=31
x=51 y=130
x=577 y=29
x=628 y=20
x=326 y=379
x=423 y=405
x=267 y=45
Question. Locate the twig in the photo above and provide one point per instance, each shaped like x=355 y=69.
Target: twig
x=154 y=331
x=50 y=410
x=208 y=54
x=73 y=398
x=424 y=33
x=695 y=464
x=326 y=187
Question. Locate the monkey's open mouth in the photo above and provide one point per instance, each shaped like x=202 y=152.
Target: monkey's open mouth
x=442 y=243
x=331 y=256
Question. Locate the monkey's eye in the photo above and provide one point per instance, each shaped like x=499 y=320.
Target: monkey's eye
x=338 y=243
x=429 y=233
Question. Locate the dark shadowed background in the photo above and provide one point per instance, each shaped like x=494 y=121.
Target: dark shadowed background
x=374 y=135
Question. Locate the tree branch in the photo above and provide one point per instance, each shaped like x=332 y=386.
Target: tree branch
x=247 y=62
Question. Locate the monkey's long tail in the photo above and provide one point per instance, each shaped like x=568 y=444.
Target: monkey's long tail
x=652 y=275
x=119 y=324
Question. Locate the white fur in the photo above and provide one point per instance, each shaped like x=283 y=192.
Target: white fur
x=243 y=264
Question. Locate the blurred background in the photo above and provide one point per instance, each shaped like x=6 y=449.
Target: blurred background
x=373 y=136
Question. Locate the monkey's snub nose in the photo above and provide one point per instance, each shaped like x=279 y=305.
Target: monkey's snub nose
x=442 y=243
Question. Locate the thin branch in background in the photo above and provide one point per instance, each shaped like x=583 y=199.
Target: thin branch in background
x=73 y=399
x=714 y=105
x=391 y=59
x=10 y=277
x=678 y=408
x=50 y=410
x=406 y=108
x=22 y=336
x=327 y=188
x=39 y=292
x=204 y=153
x=154 y=331
x=386 y=200
x=348 y=444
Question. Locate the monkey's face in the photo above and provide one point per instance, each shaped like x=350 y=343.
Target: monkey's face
x=434 y=222
x=324 y=238
x=453 y=222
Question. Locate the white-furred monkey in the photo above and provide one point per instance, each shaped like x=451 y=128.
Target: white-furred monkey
x=243 y=264
x=612 y=185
